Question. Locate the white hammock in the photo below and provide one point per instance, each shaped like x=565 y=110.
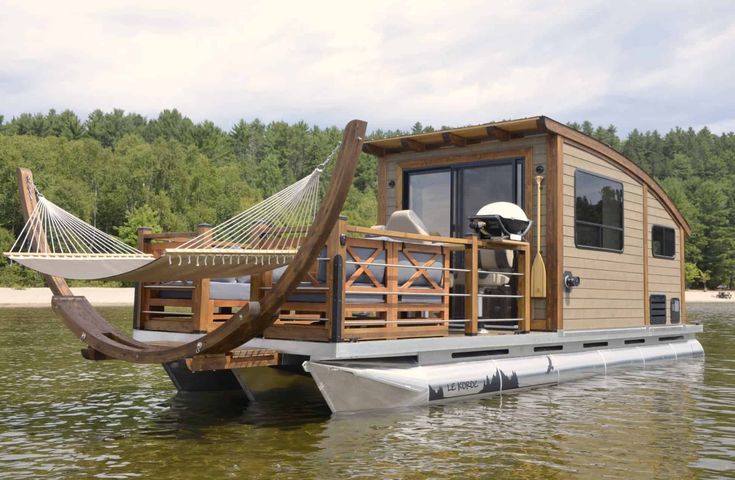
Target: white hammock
x=263 y=237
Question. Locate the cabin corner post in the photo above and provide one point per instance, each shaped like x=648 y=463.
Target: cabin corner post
x=682 y=253
x=646 y=243
x=336 y=251
x=554 y=232
x=471 y=261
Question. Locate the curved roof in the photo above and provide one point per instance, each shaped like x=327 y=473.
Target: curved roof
x=507 y=130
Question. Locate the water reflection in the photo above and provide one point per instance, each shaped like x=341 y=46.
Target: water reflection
x=61 y=416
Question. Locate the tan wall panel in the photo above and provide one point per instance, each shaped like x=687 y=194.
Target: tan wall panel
x=593 y=265
x=612 y=311
x=575 y=324
x=664 y=275
x=611 y=293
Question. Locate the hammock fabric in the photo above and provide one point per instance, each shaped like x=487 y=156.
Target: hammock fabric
x=263 y=237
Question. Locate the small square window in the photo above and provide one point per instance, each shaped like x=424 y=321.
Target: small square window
x=663 y=242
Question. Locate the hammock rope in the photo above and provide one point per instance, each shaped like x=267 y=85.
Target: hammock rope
x=52 y=231
x=265 y=236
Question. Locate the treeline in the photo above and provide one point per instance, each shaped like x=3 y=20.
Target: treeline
x=119 y=170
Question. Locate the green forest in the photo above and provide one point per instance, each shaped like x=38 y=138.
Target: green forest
x=121 y=170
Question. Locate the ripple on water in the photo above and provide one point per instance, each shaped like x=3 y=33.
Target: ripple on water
x=62 y=417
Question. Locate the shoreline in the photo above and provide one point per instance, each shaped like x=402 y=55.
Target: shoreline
x=41 y=297
x=124 y=297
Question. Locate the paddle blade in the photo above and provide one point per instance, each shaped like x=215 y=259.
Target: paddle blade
x=538 y=277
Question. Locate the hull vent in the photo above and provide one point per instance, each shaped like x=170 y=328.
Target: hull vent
x=658 y=309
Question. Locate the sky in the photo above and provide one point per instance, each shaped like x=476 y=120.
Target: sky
x=634 y=64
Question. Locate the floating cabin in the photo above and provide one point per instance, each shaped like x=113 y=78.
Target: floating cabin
x=438 y=300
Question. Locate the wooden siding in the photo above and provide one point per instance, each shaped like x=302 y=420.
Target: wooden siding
x=611 y=290
x=537 y=145
x=664 y=275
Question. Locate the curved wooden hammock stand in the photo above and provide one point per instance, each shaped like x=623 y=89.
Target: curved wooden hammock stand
x=105 y=341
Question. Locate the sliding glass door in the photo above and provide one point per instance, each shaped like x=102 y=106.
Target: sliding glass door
x=445 y=198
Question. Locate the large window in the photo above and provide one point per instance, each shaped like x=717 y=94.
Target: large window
x=598 y=212
x=444 y=198
x=663 y=242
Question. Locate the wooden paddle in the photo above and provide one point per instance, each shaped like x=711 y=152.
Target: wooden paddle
x=538 y=269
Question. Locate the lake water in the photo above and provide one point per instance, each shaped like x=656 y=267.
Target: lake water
x=65 y=417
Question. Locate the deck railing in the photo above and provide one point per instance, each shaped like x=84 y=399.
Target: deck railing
x=412 y=285
x=366 y=284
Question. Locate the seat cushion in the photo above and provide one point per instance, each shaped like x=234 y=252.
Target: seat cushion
x=404 y=273
x=229 y=291
x=408 y=298
x=223 y=280
x=321 y=297
x=178 y=294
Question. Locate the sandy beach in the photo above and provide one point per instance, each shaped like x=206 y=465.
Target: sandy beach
x=100 y=296
x=41 y=297
x=710 y=296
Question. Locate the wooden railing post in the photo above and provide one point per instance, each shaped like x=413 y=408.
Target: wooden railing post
x=471 y=263
x=524 y=288
x=201 y=306
x=142 y=295
x=392 y=251
x=336 y=248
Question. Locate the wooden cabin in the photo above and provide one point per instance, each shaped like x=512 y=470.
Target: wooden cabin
x=611 y=239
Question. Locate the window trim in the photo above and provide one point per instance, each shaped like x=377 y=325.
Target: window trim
x=602 y=226
x=665 y=257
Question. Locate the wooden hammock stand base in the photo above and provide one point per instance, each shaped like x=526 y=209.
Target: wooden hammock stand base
x=219 y=348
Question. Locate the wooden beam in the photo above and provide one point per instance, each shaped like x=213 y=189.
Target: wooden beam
x=682 y=260
x=90 y=353
x=27 y=192
x=201 y=306
x=471 y=262
x=411 y=144
x=524 y=304
x=336 y=242
x=646 y=246
x=498 y=133
x=554 y=231
x=454 y=139
x=242 y=358
x=382 y=190
x=375 y=150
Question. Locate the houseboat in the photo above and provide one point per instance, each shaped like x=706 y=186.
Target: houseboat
x=506 y=255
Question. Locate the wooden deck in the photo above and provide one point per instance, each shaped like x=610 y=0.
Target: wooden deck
x=365 y=285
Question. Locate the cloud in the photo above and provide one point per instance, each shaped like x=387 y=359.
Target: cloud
x=648 y=66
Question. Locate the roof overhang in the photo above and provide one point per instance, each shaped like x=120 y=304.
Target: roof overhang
x=513 y=129
x=458 y=137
